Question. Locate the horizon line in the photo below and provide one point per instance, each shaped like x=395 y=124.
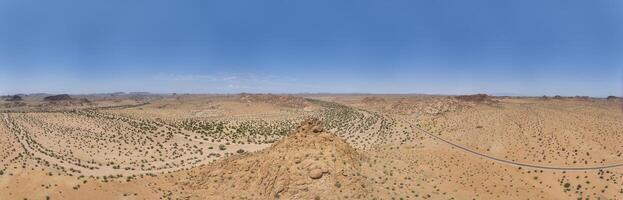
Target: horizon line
x=494 y=94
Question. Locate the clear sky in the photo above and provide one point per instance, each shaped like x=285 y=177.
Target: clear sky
x=521 y=47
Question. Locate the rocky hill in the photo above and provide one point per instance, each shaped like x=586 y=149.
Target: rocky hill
x=13 y=98
x=66 y=100
x=60 y=97
x=308 y=164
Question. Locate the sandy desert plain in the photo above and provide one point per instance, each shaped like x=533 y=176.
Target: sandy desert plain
x=263 y=146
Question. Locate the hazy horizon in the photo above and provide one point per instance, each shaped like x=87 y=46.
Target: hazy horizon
x=525 y=48
x=299 y=93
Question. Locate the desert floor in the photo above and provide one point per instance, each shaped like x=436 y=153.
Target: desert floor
x=260 y=146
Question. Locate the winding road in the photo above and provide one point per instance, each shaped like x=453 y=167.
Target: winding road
x=518 y=164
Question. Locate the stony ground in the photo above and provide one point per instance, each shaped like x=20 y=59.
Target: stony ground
x=253 y=146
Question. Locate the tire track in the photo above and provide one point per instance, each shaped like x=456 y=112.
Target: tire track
x=517 y=164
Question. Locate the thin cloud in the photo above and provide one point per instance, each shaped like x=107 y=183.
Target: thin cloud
x=224 y=77
x=193 y=77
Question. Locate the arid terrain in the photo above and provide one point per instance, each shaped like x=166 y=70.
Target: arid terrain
x=266 y=146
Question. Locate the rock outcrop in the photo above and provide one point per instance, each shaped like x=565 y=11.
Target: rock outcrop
x=310 y=163
x=13 y=98
x=60 y=97
x=66 y=100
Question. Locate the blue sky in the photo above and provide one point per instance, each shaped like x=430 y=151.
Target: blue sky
x=525 y=47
